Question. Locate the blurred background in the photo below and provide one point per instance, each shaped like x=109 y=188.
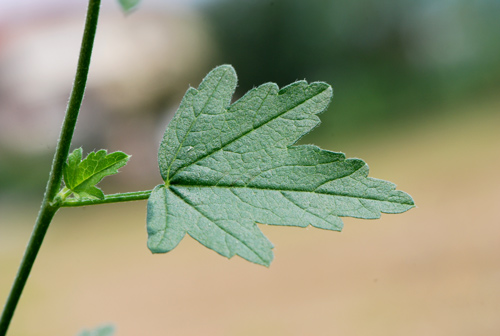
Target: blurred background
x=416 y=87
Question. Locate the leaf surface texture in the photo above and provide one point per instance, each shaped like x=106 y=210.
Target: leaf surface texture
x=228 y=166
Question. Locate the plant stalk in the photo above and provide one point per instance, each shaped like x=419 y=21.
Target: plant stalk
x=48 y=210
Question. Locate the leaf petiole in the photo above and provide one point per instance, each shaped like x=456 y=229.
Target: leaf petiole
x=113 y=198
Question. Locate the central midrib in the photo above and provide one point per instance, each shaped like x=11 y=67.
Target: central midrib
x=173 y=186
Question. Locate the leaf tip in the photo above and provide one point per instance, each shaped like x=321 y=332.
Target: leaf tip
x=225 y=67
x=224 y=70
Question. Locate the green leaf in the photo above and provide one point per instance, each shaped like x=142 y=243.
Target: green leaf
x=81 y=176
x=227 y=167
x=128 y=5
x=107 y=330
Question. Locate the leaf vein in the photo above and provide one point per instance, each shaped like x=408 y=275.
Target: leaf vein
x=189 y=203
x=247 y=132
x=300 y=207
x=192 y=124
x=292 y=190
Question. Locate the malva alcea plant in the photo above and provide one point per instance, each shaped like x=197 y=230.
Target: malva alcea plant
x=226 y=167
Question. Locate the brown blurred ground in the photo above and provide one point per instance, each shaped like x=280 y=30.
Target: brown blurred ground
x=432 y=271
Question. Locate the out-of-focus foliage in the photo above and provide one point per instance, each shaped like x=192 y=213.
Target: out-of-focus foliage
x=128 y=5
x=108 y=330
x=385 y=59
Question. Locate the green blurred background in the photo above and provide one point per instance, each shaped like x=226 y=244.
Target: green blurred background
x=416 y=87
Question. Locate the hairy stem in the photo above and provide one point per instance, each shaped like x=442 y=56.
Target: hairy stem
x=113 y=198
x=48 y=210
x=75 y=100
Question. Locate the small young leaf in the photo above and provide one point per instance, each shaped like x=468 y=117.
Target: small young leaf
x=107 y=330
x=128 y=5
x=81 y=176
x=227 y=168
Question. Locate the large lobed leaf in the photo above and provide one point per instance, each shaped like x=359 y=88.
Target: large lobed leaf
x=227 y=167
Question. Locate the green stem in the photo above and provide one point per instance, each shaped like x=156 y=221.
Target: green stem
x=113 y=198
x=48 y=210
x=75 y=100
x=44 y=218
